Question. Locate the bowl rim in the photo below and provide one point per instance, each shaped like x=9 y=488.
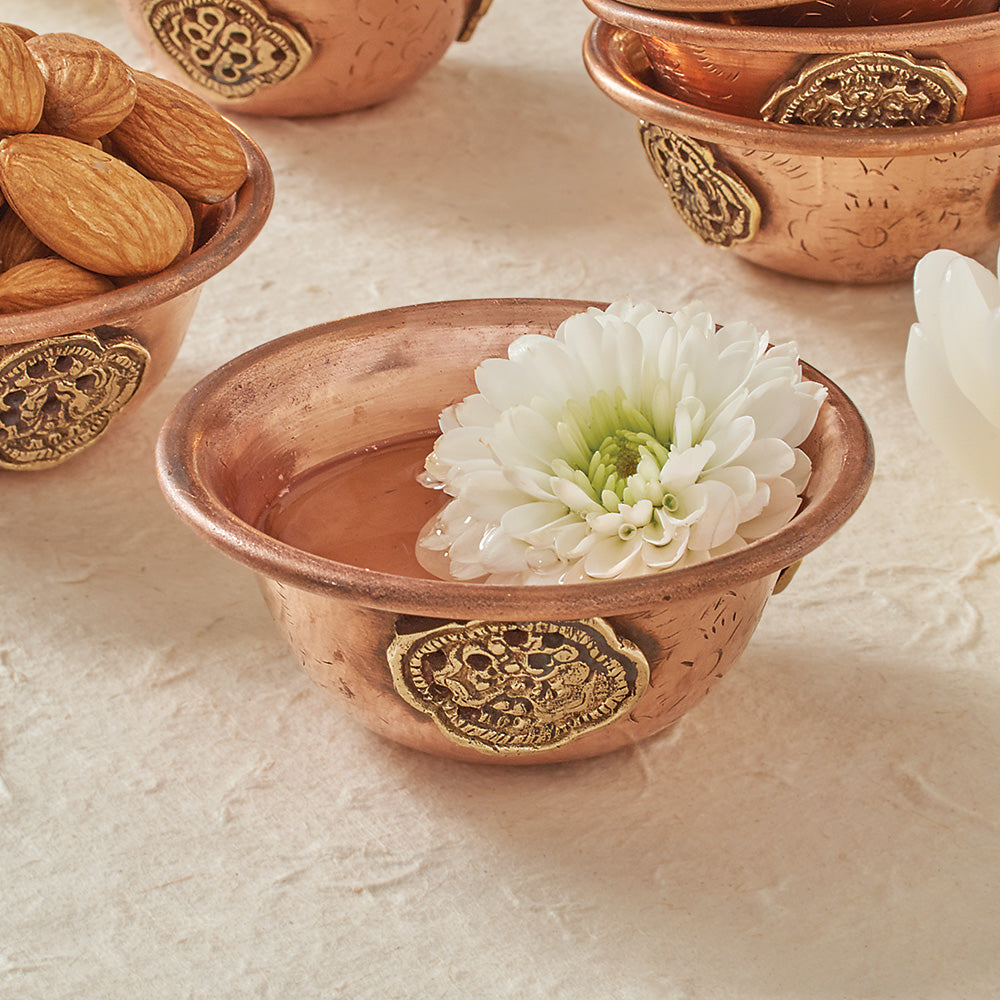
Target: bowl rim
x=250 y=207
x=184 y=431
x=814 y=41
x=614 y=59
x=704 y=6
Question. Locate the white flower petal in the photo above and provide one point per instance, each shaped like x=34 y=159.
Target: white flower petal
x=970 y=334
x=959 y=430
x=683 y=468
x=721 y=516
x=610 y=557
x=927 y=278
x=782 y=506
x=767 y=457
x=523 y=520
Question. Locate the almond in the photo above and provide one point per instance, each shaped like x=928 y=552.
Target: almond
x=17 y=242
x=88 y=89
x=23 y=33
x=175 y=137
x=49 y=281
x=185 y=211
x=89 y=207
x=22 y=87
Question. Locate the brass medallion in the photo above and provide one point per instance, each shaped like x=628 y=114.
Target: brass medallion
x=228 y=48
x=869 y=90
x=57 y=396
x=518 y=687
x=710 y=197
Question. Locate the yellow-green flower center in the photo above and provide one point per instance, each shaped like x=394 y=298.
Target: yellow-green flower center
x=618 y=458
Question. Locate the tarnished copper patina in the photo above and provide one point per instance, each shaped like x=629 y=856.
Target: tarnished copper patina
x=468 y=670
x=67 y=371
x=837 y=204
x=736 y=69
x=298 y=57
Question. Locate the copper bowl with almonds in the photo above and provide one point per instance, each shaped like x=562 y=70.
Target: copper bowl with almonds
x=299 y=57
x=123 y=195
x=834 y=204
x=474 y=671
x=929 y=73
x=822 y=13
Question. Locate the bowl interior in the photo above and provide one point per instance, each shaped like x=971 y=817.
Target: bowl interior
x=245 y=432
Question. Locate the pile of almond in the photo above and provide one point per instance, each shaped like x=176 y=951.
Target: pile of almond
x=104 y=169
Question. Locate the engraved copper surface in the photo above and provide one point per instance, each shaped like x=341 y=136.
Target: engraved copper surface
x=868 y=90
x=223 y=456
x=711 y=199
x=298 y=57
x=853 y=205
x=57 y=396
x=736 y=68
x=518 y=687
x=227 y=48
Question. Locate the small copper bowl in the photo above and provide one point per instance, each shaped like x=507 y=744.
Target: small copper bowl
x=657 y=644
x=858 y=205
x=915 y=74
x=822 y=13
x=67 y=371
x=298 y=57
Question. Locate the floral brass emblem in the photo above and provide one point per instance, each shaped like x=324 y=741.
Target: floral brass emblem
x=869 y=90
x=57 y=396
x=518 y=687
x=710 y=197
x=228 y=48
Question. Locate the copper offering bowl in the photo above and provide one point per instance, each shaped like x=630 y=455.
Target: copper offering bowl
x=822 y=13
x=298 y=57
x=854 y=205
x=900 y=74
x=67 y=371
x=254 y=426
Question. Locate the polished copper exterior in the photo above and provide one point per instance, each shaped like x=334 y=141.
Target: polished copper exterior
x=298 y=57
x=736 y=69
x=250 y=428
x=852 y=205
x=65 y=371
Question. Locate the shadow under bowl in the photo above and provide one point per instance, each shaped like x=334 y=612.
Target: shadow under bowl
x=849 y=205
x=900 y=74
x=467 y=670
x=66 y=372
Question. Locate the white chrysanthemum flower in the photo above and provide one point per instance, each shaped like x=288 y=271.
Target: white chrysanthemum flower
x=631 y=442
x=953 y=363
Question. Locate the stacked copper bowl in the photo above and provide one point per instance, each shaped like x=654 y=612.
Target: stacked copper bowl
x=832 y=139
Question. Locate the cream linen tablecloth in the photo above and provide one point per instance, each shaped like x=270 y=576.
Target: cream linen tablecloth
x=183 y=815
